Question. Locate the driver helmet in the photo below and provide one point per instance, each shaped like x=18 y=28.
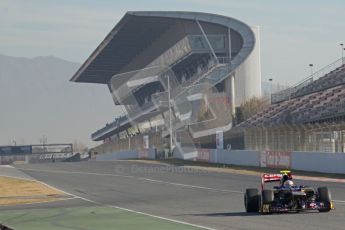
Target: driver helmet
x=284 y=179
x=288 y=183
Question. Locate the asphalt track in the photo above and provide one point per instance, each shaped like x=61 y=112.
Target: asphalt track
x=208 y=199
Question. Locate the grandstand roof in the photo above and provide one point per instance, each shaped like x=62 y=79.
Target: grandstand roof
x=136 y=31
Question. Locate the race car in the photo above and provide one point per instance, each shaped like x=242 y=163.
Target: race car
x=286 y=197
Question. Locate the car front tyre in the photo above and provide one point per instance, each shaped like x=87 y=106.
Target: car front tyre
x=325 y=197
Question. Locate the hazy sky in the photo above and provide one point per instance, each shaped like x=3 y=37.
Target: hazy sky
x=294 y=33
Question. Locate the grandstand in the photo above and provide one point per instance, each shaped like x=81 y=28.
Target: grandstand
x=178 y=77
x=306 y=117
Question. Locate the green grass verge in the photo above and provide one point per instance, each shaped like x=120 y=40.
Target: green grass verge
x=84 y=218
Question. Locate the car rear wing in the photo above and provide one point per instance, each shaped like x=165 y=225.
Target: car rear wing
x=270 y=177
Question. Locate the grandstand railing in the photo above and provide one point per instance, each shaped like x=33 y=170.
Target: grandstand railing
x=288 y=93
x=109 y=126
x=216 y=68
x=214 y=73
x=184 y=47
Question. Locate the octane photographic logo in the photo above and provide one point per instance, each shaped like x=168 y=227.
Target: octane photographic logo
x=142 y=169
x=196 y=108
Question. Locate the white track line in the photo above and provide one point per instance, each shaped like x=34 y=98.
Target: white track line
x=48 y=201
x=137 y=178
x=17 y=177
x=145 y=179
x=6 y=166
x=121 y=208
x=339 y=201
x=162 y=218
x=254 y=173
x=323 y=179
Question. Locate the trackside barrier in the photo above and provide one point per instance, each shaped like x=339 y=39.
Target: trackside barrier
x=319 y=162
x=275 y=159
x=306 y=161
x=125 y=155
x=235 y=157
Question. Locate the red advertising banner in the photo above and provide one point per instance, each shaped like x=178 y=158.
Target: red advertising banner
x=203 y=155
x=144 y=153
x=275 y=159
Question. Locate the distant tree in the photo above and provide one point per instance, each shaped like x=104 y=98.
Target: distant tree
x=239 y=117
x=204 y=112
x=79 y=146
x=250 y=108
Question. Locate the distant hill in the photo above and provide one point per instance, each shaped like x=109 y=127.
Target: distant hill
x=37 y=98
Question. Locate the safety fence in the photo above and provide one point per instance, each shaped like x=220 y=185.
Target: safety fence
x=320 y=137
x=306 y=161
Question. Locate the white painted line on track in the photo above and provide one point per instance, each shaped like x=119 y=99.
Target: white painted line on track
x=121 y=208
x=162 y=218
x=17 y=177
x=52 y=187
x=6 y=166
x=323 y=179
x=48 y=201
x=255 y=173
x=339 y=201
x=143 y=179
x=187 y=185
x=138 y=178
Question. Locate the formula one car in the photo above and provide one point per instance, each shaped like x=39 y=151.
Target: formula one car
x=287 y=197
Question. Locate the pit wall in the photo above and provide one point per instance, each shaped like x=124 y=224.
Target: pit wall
x=306 y=161
x=125 y=155
x=319 y=162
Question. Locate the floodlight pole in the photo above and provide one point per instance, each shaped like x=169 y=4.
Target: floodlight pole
x=170 y=119
x=311 y=69
x=342 y=52
x=271 y=86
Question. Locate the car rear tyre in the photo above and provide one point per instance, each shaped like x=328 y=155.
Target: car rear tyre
x=251 y=200
x=267 y=196
x=325 y=197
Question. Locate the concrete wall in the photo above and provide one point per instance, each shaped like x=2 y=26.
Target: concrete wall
x=306 y=161
x=131 y=154
x=318 y=162
x=125 y=155
x=236 y=157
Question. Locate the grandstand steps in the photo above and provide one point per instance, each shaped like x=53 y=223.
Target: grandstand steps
x=221 y=119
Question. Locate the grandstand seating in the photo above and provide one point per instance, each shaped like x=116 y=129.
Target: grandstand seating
x=318 y=100
x=335 y=77
x=327 y=77
x=308 y=108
